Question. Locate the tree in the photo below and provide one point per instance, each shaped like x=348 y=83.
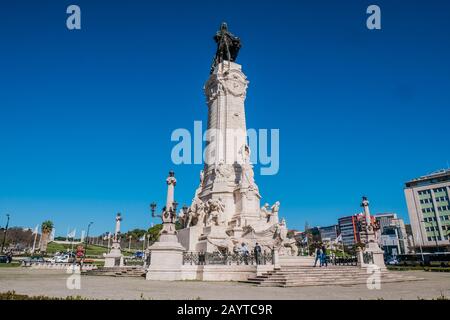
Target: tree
x=46 y=227
x=135 y=233
x=18 y=237
x=153 y=233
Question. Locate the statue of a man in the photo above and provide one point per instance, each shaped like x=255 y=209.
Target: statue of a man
x=228 y=46
x=196 y=213
x=276 y=207
x=265 y=212
x=202 y=177
x=274 y=215
x=215 y=211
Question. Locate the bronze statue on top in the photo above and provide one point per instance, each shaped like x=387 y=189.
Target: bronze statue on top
x=228 y=46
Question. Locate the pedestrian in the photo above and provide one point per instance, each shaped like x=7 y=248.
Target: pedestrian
x=257 y=252
x=244 y=252
x=323 y=259
x=318 y=255
x=9 y=256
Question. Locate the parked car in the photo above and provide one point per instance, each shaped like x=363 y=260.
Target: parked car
x=138 y=255
x=3 y=259
x=34 y=259
x=392 y=261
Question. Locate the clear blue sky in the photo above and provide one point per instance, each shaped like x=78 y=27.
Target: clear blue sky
x=86 y=116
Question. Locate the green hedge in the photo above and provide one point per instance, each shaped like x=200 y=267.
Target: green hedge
x=411 y=268
x=12 y=295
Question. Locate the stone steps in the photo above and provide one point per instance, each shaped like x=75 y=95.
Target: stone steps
x=118 y=272
x=309 y=276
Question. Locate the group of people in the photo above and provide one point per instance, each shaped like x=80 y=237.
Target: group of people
x=321 y=256
x=245 y=252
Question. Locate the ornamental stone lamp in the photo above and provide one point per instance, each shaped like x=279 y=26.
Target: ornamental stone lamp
x=372 y=253
x=115 y=258
x=167 y=252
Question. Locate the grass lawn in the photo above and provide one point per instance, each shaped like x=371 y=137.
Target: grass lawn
x=92 y=250
x=10 y=265
x=420 y=268
x=12 y=295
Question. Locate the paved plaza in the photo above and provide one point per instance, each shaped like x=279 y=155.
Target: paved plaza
x=53 y=284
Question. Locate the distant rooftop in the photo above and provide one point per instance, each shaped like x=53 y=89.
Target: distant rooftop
x=434 y=177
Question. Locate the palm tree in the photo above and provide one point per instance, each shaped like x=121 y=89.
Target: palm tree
x=46 y=227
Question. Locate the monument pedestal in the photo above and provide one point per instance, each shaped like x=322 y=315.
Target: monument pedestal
x=189 y=237
x=212 y=237
x=377 y=254
x=114 y=258
x=166 y=259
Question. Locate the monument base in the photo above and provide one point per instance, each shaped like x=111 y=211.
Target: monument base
x=376 y=254
x=188 y=237
x=114 y=258
x=166 y=259
x=212 y=238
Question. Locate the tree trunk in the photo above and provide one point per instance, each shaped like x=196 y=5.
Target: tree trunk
x=44 y=242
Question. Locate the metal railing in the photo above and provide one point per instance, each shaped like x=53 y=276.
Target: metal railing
x=344 y=261
x=134 y=262
x=218 y=258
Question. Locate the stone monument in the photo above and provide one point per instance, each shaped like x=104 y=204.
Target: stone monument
x=167 y=253
x=371 y=254
x=115 y=258
x=225 y=210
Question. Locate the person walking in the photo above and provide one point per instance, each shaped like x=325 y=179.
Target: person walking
x=9 y=256
x=323 y=258
x=257 y=252
x=318 y=255
x=244 y=252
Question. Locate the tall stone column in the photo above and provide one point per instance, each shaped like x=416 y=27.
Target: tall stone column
x=228 y=174
x=171 y=182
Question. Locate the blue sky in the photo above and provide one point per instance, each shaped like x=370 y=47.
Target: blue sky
x=86 y=116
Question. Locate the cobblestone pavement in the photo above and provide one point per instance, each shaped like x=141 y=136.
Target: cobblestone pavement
x=53 y=283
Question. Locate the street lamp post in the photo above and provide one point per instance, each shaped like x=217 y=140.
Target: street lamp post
x=434 y=234
x=87 y=238
x=5 y=232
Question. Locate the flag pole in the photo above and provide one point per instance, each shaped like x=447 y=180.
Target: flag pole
x=34 y=242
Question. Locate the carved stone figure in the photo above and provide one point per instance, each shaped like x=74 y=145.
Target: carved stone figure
x=265 y=211
x=202 y=177
x=286 y=245
x=274 y=214
x=245 y=154
x=276 y=207
x=223 y=171
x=196 y=213
x=215 y=209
